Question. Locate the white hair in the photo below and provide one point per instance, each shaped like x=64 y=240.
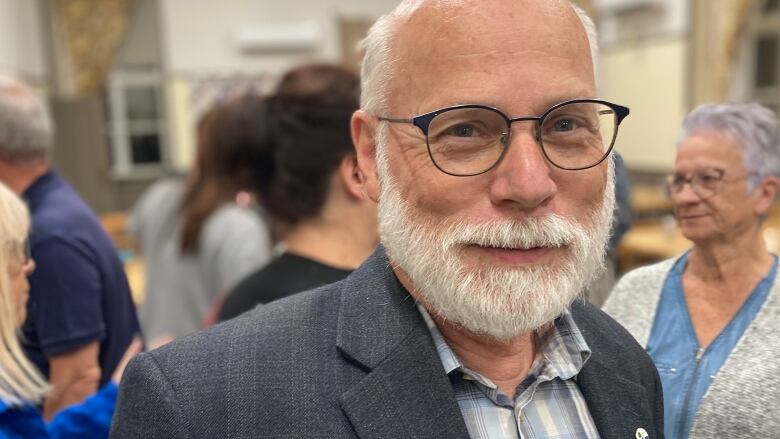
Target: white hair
x=26 y=129
x=499 y=303
x=752 y=126
x=377 y=68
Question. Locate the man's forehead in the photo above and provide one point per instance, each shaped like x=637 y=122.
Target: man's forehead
x=433 y=15
x=467 y=44
x=449 y=28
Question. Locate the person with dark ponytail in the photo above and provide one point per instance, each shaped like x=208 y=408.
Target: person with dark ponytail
x=310 y=187
x=202 y=236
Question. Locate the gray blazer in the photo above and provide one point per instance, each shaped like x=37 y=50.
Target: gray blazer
x=350 y=359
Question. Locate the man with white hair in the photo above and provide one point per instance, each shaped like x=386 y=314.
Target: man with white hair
x=482 y=141
x=81 y=317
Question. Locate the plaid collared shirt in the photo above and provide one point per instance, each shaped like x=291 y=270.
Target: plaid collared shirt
x=548 y=404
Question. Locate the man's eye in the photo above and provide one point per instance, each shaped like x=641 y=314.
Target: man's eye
x=564 y=125
x=462 y=131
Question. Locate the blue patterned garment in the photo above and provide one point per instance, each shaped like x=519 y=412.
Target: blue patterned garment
x=686 y=369
x=548 y=403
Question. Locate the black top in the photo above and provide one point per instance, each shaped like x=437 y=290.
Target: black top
x=286 y=275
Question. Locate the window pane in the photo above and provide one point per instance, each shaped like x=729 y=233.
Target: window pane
x=771 y=5
x=141 y=103
x=145 y=148
x=766 y=61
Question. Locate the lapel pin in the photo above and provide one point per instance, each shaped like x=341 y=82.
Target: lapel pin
x=641 y=433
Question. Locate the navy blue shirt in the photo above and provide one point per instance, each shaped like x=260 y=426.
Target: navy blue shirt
x=78 y=291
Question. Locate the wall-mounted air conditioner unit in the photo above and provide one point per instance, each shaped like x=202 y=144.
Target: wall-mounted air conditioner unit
x=279 y=37
x=617 y=7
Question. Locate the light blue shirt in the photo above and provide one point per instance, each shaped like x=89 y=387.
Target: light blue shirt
x=686 y=370
x=548 y=403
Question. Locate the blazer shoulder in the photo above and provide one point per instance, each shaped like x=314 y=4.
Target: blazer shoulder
x=265 y=332
x=147 y=404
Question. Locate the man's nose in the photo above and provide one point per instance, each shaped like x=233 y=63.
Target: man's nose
x=523 y=178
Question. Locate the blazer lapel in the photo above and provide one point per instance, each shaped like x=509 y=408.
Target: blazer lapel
x=618 y=406
x=405 y=392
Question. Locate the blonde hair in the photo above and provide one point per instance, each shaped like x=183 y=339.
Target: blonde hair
x=20 y=381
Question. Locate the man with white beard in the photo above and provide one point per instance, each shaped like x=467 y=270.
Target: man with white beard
x=482 y=140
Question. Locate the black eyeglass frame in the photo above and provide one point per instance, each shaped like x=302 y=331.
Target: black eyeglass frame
x=19 y=249
x=423 y=122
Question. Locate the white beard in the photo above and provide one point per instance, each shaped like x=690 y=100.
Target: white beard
x=498 y=302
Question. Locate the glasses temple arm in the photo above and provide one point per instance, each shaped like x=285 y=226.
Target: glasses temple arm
x=392 y=120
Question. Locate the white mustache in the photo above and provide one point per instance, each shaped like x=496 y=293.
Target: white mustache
x=548 y=231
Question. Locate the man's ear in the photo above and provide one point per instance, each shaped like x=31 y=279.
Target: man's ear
x=363 y=132
x=351 y=177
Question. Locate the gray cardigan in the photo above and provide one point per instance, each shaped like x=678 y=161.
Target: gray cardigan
x=744 y=398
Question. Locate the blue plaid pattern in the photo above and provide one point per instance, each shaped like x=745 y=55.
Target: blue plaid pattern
x=548 y=404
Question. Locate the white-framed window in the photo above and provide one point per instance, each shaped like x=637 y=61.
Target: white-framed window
x=764 y=54
x=136 y=123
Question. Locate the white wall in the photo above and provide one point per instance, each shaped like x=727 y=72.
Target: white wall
x=141 y=47
x=651 y=80
x=199 y=35
x=199 y=41
x=644 y=66
x=630 y=20
x=22 y=51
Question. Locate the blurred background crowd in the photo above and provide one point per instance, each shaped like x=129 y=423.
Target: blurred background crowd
x=211 y=141
x=129 y=80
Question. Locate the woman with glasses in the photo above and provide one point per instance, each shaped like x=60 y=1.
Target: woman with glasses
x=709 y=318
x=22 y=387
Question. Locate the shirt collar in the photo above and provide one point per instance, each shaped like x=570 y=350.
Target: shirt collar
x=39 y=186
x=563 y=348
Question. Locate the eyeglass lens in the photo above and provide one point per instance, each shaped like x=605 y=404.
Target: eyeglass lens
x=467 y=141
x=704 y=184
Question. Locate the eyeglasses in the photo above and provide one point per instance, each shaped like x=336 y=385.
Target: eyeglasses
x=704 y=183
x=467 y=140
x=21 y=253
x=27 y=252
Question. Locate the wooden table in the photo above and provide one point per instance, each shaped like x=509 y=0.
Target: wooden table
x=135 y=271
x=652 y=242
x=650 y=201
x=115 y=223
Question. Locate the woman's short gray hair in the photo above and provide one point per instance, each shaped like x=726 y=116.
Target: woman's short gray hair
x=25 y=124
x=752 y=126
x=377 y=67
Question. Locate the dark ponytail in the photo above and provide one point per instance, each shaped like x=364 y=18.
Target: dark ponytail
x=309 y=126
